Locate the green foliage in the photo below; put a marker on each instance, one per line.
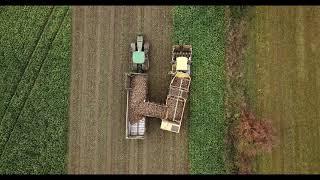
(204, 29)
(238, 11)
(34, 83)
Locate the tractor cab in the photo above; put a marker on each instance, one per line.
(138, 57)
(139, 60)
(181, 59)
(182, 64)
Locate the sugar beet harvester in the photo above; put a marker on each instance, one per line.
(138, 106)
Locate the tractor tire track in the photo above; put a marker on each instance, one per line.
(33, 83)
(101, 55)
(29, 57)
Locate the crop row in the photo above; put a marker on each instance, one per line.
(34, 121)
(204, 29)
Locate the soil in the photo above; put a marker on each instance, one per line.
(101, 55)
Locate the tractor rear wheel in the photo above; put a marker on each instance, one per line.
(146, 46)
(146, 65)
(134, 67)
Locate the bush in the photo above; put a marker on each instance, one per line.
(252, 137)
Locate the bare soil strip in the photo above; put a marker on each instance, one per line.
(101, 54)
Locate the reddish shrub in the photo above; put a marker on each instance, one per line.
(252, 136)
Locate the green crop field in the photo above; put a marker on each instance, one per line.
(34, 88)
(204, 28)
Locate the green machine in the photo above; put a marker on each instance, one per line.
(139, 59)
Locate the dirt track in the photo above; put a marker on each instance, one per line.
(101, 43)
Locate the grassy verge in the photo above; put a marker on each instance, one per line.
(203, 28)
(35, 55)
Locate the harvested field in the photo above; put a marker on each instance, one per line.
(283, 75)
(101, 46)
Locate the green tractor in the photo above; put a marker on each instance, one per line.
(139, 59)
